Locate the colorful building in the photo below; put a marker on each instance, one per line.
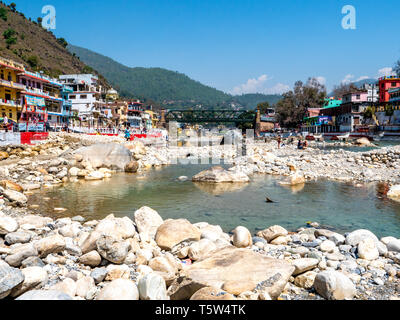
(10, 89)
(134, 117)
(386, 83)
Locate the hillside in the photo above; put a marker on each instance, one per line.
(167, 88)
(251, 100)
(27, 42)
(163, 86)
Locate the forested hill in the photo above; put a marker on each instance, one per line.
(164, 87)
(161, 85)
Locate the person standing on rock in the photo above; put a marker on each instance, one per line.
(279, 141)
(127, 134)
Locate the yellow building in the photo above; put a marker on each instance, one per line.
(10, 89)
(153, 117)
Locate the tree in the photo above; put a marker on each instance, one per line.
(9, 36)
(3, 13)
(292, 108)
(39, 20)
(13, 6)
(396, 68)
(263, 107)
(33, 62)
(63, 42)
(343, 89)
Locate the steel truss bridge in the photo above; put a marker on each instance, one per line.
(216, 116)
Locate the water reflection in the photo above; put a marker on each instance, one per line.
(219, 188)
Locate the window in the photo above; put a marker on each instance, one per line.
(83, 96)
(358, 97)
(10, 115)
(394, 84)
(72, 97)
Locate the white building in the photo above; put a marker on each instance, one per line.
(87, 96)
(373, 92)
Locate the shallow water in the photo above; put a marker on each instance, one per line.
(340, 206)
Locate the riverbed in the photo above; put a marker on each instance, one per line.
(342, 207)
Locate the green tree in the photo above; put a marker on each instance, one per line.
(9, 36)
(39, 20)
(63, 42)
(3, 13)
(344, 88)
(13, 6)
(263, 107)
(33, 62)
(292, 108)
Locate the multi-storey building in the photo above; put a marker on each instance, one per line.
(134, 118)
(42, 100)
(386, 83)
(86, 98)
(10, 89)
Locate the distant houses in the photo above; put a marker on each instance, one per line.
(371, 108)
(32, 101)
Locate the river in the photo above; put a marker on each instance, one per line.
(339, 206)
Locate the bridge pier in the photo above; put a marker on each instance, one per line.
(257, 125)
(163, 122)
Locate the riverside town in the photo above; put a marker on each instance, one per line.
(246, 155)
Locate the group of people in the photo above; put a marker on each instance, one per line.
(300, 144)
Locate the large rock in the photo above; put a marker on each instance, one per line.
(218, 175)
(272, 232)
(7, 225)
(235, 271)
(120, 289)
(68, 286)
(147, 221)
(51, 244)
(152, 287)
(34, 278)
(242, 237)
(112, 249)
(9, 279)
(210, 293)
(20, 253)
(15, 196)
(363, 141)
(91, 259)
(394, 192)
(305, 280)
(367, 249)
(44, 295)
(393, 245)
(112, 156)
(334, 285)
(95, 175)
(201, 249)
(17, 237)
(354, 238)
(35, 221)
(172, 232)
(7, 184)
(84, 286)
(304, 264)
(293, 180)
(132, 167)
(116, 227)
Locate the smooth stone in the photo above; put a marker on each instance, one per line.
(305, 280)
(44, 295)
(91, 259)
(210, 293)
(152, 287)
(9, 279)
(84, 286)
(334, 285)
(119, 289)
(17, 237)
(304, 264)
(112, 249)
(354, 238)
(147, 220)
(272, 232)
(99, 274)
(173, 232)
(34, 278)
(393, 245)
(242, 237)
(367, 249)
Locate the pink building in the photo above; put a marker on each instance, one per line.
(360, 96)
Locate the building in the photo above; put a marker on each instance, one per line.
(42, 100)
(153, 117)
(87, 98)
(394, 95)
(386, 83)
(10, 89)
(66, 111)
(134, 117)
(372, 92)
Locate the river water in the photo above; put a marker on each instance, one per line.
(339, 206)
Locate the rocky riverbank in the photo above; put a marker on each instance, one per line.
(151, 258)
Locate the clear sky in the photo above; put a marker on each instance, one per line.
(237, 46)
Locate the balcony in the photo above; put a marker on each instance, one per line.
(11, 84)
(10, 103)
(12, 64)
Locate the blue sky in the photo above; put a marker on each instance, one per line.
(237, 46)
